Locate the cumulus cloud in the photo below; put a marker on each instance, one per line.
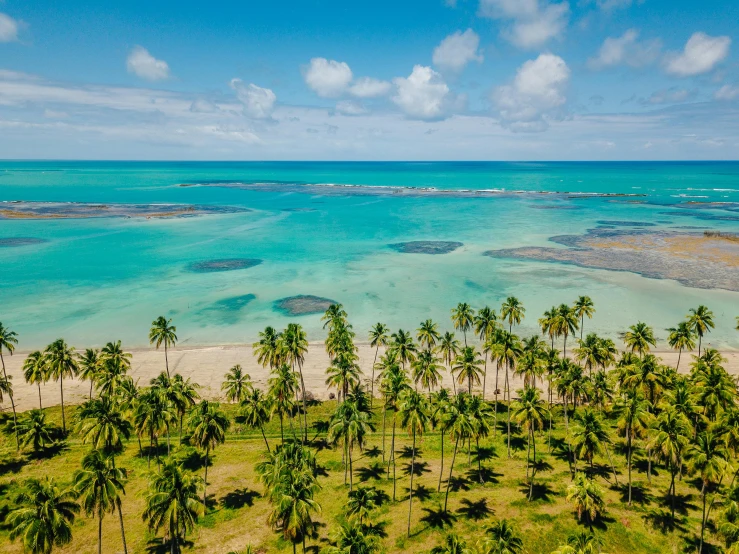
(258, 102)
(8, 28)
(328, 78)
(536, 95)
(626, 49)
(146, 66)
(674, 95)
(701, 54)
(423, 94)
(347, 107)
(457, 50)
(367, 87)
(612, 5)
(727, 92)
(532, 22)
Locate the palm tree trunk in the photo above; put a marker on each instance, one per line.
(495, 409)
(282, 431)
(441, 469)
(672, 494)
(372, 381)
(384, 413)
(305, 407)
(100, 532)
(40, 407)
(351, 469)
(703, 519)
(173, 538)
(508, 392)
(679, 353)
(451, 470)
(261, 428)
(90, 389)
(166, 359)
(12, 403)
(533, 468)
(123, 530)
(613, 467)
(410, 493)
(392, 454)
(61, 390)
(168, 445)
(528, 454)
(484, 376)
(479, 461)
(205, 482)
(628, 455)
(700, 339)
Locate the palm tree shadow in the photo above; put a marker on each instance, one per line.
(419, 468)
(642, 466)
(239, 498)
(560, 449)
(475, 510)
(373, 452)
(378, 529)
(438, 519)
(320, 471)
(194, 460)
(12, 465)
(639, 494)
(420, 492)
(682, 503)
(601, 523)
(319, 443)
(406, 452)
(540, 491)
(599, 470)
(164, 546)
(482, 475)
(484, 454)
(661, 520)
(459, 483)
(375, 471)
(541, 465)
(518, 444)
(692, 544)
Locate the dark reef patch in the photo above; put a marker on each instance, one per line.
(85, 210)
(229, 264)
(12, 242)
(622, 223)
(703, 216)
(303, 304)
(433, 247)
(227, 310)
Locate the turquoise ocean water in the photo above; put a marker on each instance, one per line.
(96, 280)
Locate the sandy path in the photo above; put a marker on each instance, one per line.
(207, 365)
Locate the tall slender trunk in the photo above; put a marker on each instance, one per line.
(533, 468)
(261, 428)
(372, 381)
(582, 325)
(484, 376)
(441, 469)
(628, 455)
(91, 389)
(351, 469)
(282, 431)
(613, 467)
(495, 409)
(672, 493)
(100, 532)
(123, 529)
(12, 403)
(528, 455)
(451, 470)
(507, 392)
(173, 537)
(700, 339)
(392, 454)
(679, 353)
(61, 390)
(40, 407)
(703, 519)
(166, 359)
(384, 414)
(205, 481)
(168, 445)
(410, 493)
(305, 408)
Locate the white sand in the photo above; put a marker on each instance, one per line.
(207, 365)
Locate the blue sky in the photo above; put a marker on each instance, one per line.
(323, 79)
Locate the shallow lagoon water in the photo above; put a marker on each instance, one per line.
(94, 280)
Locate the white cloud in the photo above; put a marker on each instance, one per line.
(457, 50)
(532, 22)
(701, 54)
(423, 94)
(8, 28)
(626, 49)
(727, 92)
(146, 66)
(367, 87)
(536, 95)
(347, 107)
(53, 114)
(258, 102)
(328, 78)
(611, 5)
(674, 95)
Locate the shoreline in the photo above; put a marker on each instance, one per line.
(207, 364)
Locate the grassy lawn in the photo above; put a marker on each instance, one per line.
(238, 514)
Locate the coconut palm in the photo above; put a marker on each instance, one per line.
(349, 425)
(60, 362)
(634, 420)
(343, 373)
(89, 367)
(639, 338)
(461, 427)
(378, 336)
(208, 424)
(34, 372)
(452, 545)
(428, 334)
(267, 348)
(670, 439)
(589, 352)
(590, 437)
(100, 486)
(565, 324)
(581, 543)
(512, 311)
(151, 417)
(394, 383)
(114, 351)
(440, 407)
(468, 367)
(463, 317)
(680, 338)
(547, 323)
(335, 314)
(236, 384)
(486, 323)
(530, 412)
(402, 344)
(282, 387)
(449, 348)
(173, 502)
(587, 497)
(509, 350)
(162, 332)
(33, 429)
(183, 394)
(426, 370)
(583, 307)
(501, 538)
(700, 321)
(102, 424)
(293, 504)
(354, 538)
(414, 417)
(42, 516)
(363, 501)
(8, 341)
(255, 410)
(295, 346)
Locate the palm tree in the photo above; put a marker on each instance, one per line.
(707, 457)
(460, 427)
(583, 307)
(173, 502)
(362, 502)
(565, 324)
(43, 516)
(581, 543)
(512, 311)
(587, 497)
(468, 367)
(34, 372)
(100, 485)
(639, 338)
(394, 383)
(449, 348)
(255, 410)
(152, 415)
(236, 384)
(354, 538)
(60, 362)
(428, 334)
(183, 394)
(402, 345)
(8, 341)
(414, 417)
(680, 338)
(486, 321)
(590, 437)
(295, 344)
(333, 315)
(502, 539)
(670, 440)
(282, 387)
(547, 323)
(343, 373)
(113, 351)
(427, 370)
(452, 545)
(378, 336)
(633, 421)
(162, 332)
(89, 367)
(509, 350)
(33, 429)
(267, 348)
(440, 408)
(463, 317)
(700, 321)
(208, 424)
(103, 425)
(530, 412)
(349, 425)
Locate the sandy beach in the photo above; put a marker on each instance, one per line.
(207, 366)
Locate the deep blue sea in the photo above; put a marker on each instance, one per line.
(99, 279)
